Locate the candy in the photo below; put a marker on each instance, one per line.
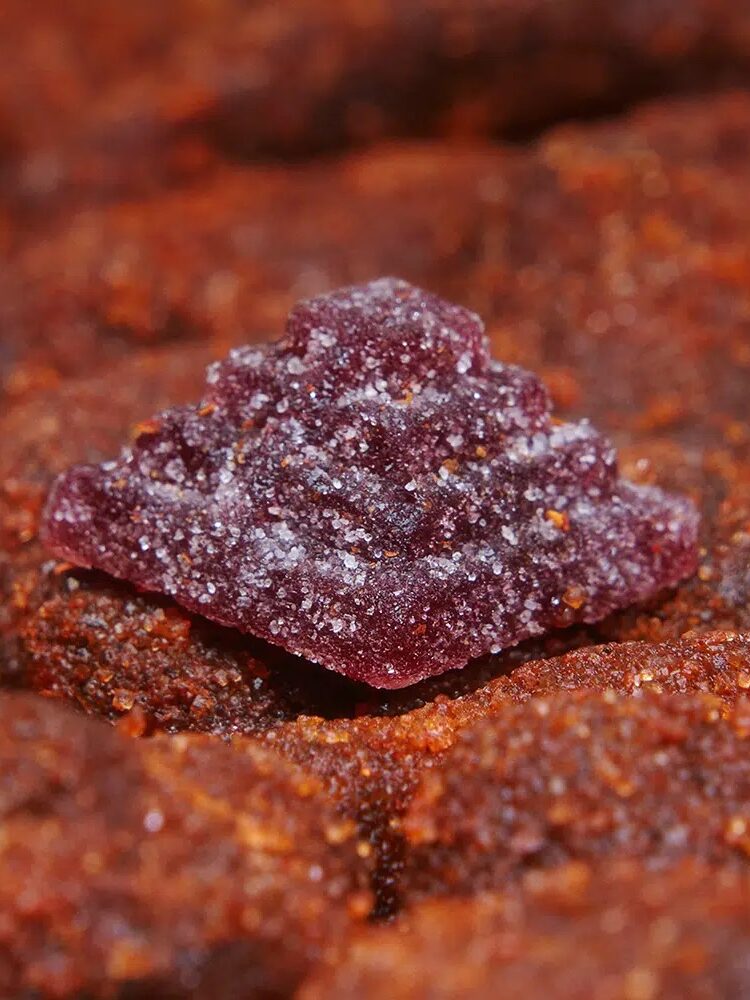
(376, 494)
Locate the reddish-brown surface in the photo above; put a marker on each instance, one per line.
(161, 867)
(224, 261)
(634, 263)
(619, 932)
(582, 775)
(371, 755)
(373, 764)
(146, 92)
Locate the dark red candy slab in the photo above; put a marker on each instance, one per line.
(376, 494)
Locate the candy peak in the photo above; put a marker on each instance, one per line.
(376, 494)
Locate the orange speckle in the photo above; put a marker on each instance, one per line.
(123, 700)
(339, 833)
(359, 904)
(736, 432)
(574, 597)
(134, 723)
(559, 518)
(146, 427)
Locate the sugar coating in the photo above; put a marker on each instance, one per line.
(375, 493)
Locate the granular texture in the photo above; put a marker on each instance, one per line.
(376, 494)
(110, 650)
(121, 655)
(105, 96)
(223, 261)
(613, 932)
(391, 752)
(100, 643)
(161, 867)
(582, 776)
(716, 663)
(373, 764)
(574, 250)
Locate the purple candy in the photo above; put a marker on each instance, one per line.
(376, 494)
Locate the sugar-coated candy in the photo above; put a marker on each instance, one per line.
(375, 493)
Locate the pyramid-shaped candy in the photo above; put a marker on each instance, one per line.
(376, 494)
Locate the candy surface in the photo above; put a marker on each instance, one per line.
(376, 494)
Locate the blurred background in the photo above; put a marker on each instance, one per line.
(181, 82)
(174, 175)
